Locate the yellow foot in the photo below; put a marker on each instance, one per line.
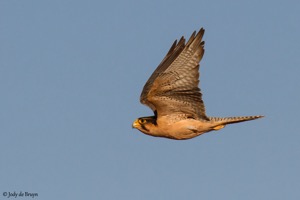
(218, 127)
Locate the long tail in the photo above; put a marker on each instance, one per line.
(222, 121)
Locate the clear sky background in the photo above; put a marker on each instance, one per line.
(71, 73)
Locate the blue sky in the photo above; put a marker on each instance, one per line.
(71, 73)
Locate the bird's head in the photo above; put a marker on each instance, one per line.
(145, 124)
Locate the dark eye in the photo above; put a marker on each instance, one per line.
(142, 121)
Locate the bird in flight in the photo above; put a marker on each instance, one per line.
(173, 94)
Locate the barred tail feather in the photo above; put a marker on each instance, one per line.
(231, 120)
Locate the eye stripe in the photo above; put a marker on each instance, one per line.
(148, 120)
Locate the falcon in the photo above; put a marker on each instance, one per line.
(173, 94)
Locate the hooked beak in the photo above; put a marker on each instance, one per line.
(135, 124)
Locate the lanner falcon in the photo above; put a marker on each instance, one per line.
(173, 94)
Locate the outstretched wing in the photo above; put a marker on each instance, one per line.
(173, 89)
